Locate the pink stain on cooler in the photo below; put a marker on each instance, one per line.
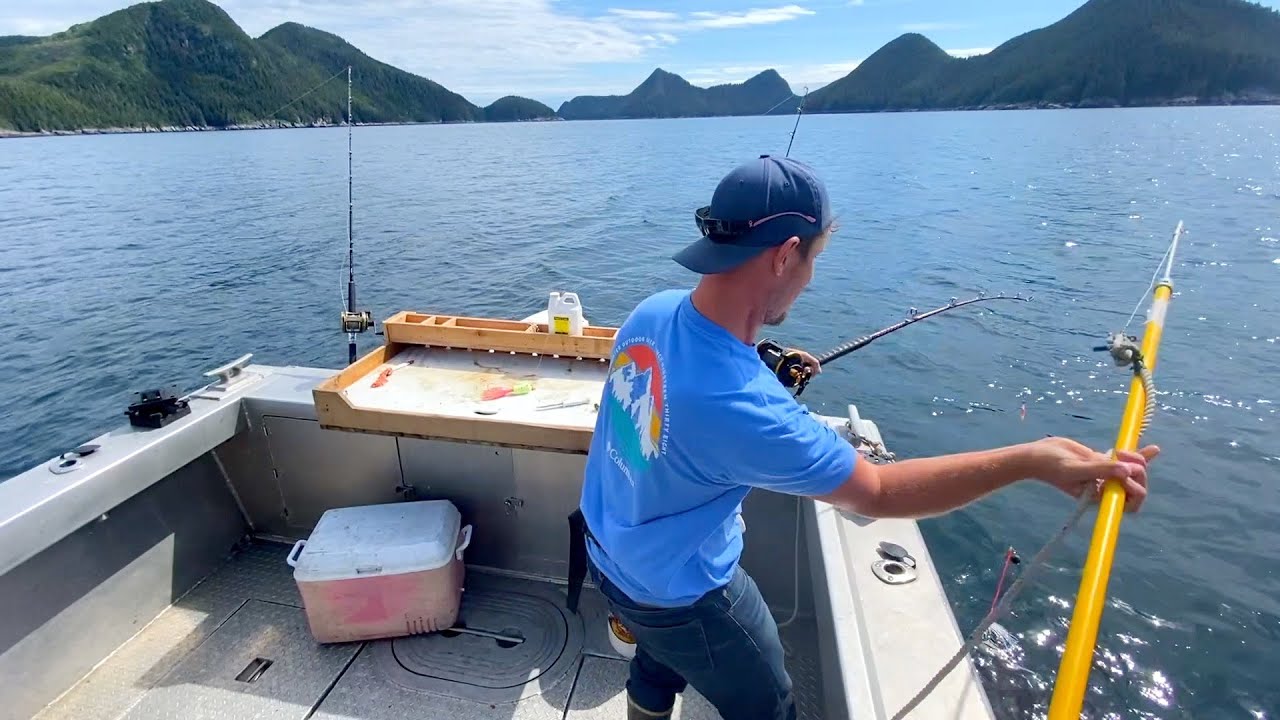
(381, 606)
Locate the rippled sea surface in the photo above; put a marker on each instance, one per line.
(136, 261)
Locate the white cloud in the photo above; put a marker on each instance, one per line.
(655, 15)
(812, 75)
(708, 76)
(817, 75)
(481, 50)
(50, 16)
(539, 48)
(969, 52)
(759, 16)
(933, 26)
(704, 19)
(857, 3)
(31, 26)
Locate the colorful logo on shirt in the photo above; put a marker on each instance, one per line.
(636, 407)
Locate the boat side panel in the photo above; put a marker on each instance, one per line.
(905, 633)
(68, 607)
(39, 507)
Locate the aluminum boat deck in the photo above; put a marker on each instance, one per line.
(521, 655)
(148, 580)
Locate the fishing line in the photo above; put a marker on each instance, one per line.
(779, 104)
(353, 321)
(1151, 285)
(317, 87)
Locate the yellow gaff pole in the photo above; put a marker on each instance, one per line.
(1073, 672)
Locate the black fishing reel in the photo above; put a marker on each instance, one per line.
(786, 364)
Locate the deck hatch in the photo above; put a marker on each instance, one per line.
(509, 639)
(507, 645)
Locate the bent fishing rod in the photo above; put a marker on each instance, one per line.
(791, 370)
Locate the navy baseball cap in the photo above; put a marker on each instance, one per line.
(761, 204)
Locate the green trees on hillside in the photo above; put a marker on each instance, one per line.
(186, 63)
(1107, 52)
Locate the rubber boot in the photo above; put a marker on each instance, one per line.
(635, 712)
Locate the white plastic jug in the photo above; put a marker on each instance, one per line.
(564, 314)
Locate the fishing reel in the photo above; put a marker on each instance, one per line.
(356, 321)
(786, 364)
(1124, 349)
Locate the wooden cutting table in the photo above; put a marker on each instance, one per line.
(452, 362)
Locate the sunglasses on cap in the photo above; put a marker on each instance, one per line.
(725, 230)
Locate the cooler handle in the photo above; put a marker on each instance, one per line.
(294, 554)
(466, 542)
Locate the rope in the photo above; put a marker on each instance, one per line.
(1086, 498)
(999, 610)
(1008, 560)
(1125, 351)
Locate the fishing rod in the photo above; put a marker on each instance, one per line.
(799, 112)
(353, 321)
(1082, 634)
(792, 371)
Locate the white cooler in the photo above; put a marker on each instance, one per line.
(380, 571)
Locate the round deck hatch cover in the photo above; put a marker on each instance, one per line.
(508, 640)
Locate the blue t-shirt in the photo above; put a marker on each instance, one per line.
(690, 420)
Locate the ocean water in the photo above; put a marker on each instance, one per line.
(136, 261)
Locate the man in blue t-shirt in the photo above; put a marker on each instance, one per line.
(691, 420)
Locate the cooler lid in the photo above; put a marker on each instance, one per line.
(375, 540)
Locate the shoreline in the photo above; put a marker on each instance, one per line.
(1003, 107)
(6, 133)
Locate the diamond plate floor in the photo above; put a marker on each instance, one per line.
(184, 663)
(121, 681)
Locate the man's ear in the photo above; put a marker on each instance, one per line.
(785, 254)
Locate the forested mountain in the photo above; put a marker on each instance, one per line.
(381, 94)
(1106, 53)
(186, 63)
(511, 108)
(665, 94)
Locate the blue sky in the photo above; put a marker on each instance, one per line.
(551, 50)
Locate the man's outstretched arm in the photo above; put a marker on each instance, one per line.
(930, 486)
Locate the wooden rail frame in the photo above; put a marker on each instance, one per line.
(455, 331)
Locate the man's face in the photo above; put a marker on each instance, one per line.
(793, 272)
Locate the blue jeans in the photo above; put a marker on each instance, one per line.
(725, 645)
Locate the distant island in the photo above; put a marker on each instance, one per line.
(665, 95)
(186, 65)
